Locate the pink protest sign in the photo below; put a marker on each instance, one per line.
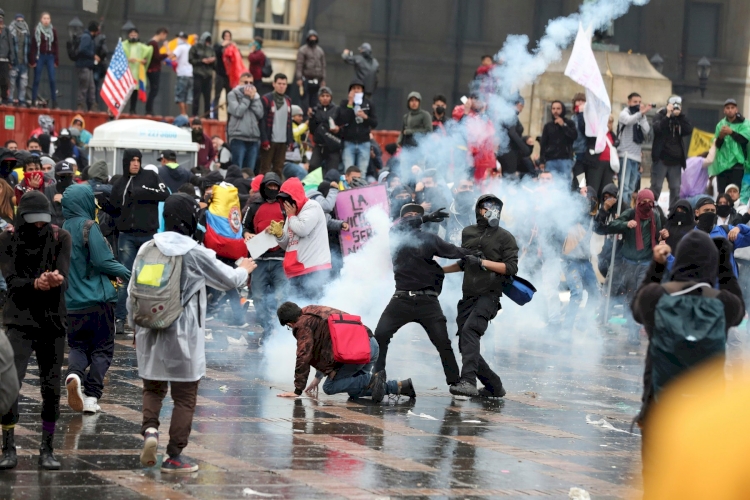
(351, 206)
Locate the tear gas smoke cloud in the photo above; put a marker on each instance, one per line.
(549, 212)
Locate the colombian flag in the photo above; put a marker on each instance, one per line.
(224, 223)
(142, 82)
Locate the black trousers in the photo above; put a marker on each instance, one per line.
(202, 87)
(221, 82)
(321, 156)
(91, 338)
(731, 176)
(5, 80)
(424, 310)
(49, 347)
(154, 78)
(474, 315)
(598, 175)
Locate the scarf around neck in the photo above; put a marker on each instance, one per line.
(18, 27)
(46, 32)
(644, 212)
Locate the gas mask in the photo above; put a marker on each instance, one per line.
(492, 214)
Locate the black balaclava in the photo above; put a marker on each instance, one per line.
(696, 259)
(265, 192)
(397, 204)
(464, 201)
(63, 148)
(491, 218)
(33, 247)
(679, 223)
(63, 181)
(181, 214)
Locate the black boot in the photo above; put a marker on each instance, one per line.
(46, 459)
(377, 386)
(405, 388)
(9, 460)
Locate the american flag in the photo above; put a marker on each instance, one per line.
(119, 83)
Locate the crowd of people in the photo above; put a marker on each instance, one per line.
(88, 255)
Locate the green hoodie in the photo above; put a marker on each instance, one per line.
(731, 152)
(89, 284)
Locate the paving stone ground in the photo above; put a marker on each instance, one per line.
(535, 443)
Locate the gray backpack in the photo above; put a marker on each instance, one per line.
(156, 295)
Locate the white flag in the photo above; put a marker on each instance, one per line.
(582, 69)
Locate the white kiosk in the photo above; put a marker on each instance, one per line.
(149, 136)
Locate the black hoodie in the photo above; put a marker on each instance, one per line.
(175, 177)
(235, 178)
(257, 220)
(352, 130)
(557, 141)
(8, 162)
(679, 224)
(135, 198)
(495, 244)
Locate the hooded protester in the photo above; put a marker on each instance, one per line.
(310, 327)
(365, 67)
(311, 67)
(64, 176)
(731, 138)
(518, 148)
(206, 153)
(307, 260)
(234, 177)
(90, 299)
(357, 119)
(433, 194)
(492, 261)
(171, 173)
(135, 206)
(19, 63)
(698, 266)
(8, 162)
(99, 177)
(419, 281)
(175, 356)
(46, 126)
(35, 259)
(65, 148)
(416, 121)
(725, 211)
(398, 197)
(203, 58)
(679, 222)
(269, 280)
(139, 57)
(707, 219)
(79, 123)
(640, 228)
(462, 210)
(45, 144)
(33, 177)
(558, 136)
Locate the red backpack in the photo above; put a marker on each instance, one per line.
(351, 342)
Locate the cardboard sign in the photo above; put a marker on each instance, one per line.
(351, 206)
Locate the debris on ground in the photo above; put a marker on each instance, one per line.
(223, 388)
(578, 494)
(247, 492)
(471, 421)
(606, 425)
(421, 415)
(531, 394)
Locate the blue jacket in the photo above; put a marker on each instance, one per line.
(742, 241)
(86, 51)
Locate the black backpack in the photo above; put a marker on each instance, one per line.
(73, 45)
(267, 68)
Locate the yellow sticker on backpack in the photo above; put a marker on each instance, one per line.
(151, 275)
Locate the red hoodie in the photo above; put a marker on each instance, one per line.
(482, 143)
(305, 236)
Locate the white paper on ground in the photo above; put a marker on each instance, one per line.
(260, 244)
(421, 415)
(606, 425)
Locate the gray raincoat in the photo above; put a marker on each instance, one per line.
(178, 354)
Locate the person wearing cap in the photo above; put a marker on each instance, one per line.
(171, 173)
(43, 55)
(484, 278)
(65, 172)
(357, 119)
(134, 203)
(416, 121)
(310, 69)
(295, 157)
(206, 153)
(153, 72)
(203, 58)
(19, 62)
(139, 56)
(65, 148)
(85, 64)
(276, 127)
(183, 87)
(33, 177)
(668, 151)
(731, 136)
(90, 300)
(35, 259)
(6, 56)
(244, 114)
(419, 281)
(366, 67)
(327, 141)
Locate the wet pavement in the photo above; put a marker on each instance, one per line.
(535, 443)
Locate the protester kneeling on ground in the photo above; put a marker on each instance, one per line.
(316, 347)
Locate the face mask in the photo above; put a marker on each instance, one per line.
(133, 39)
(706, 221)
(270, 193)
(312, 43)
(464, 201)
(723, 210)
(65, 181)
(634, 109)
(440, 110)
(197, 134)
(413, 221)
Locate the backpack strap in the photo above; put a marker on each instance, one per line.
(676, 289)
(86, 230)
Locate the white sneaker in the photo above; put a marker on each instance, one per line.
(90, 406)
(75, 395)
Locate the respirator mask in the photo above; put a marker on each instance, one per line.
(492, 214)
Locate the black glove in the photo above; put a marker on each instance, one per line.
(725, 248)
(472, 260)
(101, 199)
(437, 216)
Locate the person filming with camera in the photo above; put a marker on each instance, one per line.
(668, 154)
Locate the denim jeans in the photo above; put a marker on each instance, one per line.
(561, 169)
(45, 61)
(630, 179)
(580, 276)
(244, 153)
(268, 286)
(19, 81)
(294, 170)
(355, 154)
(128, 245)
(354, 379)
